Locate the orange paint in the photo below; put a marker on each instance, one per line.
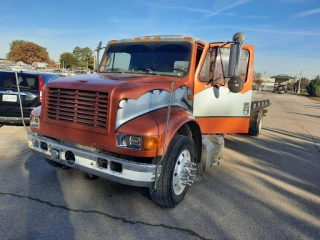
(210, 125)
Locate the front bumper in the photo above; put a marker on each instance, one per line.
(125, 172)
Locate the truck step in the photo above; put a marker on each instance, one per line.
(212, 150)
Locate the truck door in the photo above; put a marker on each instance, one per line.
(216, 109)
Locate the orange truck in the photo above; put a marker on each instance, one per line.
(153, 115)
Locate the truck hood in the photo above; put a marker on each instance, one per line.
(104, 82)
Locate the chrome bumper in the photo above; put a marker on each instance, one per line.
(125, 172)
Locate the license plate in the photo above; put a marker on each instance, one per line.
(9, 98)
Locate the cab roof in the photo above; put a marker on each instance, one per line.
(159, 38)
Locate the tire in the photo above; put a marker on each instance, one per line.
(57, 165)
(256, 127)
(169, 190)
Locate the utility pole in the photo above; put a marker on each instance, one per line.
(299, 82)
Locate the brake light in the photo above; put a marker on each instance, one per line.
(41, 83)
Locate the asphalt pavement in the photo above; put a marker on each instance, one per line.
(266, 187)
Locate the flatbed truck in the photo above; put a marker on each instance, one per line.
(154, 113)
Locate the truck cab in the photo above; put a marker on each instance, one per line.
(142, 119)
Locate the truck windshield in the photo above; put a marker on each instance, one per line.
(160, 58)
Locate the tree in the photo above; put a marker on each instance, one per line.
(84, 57)
(313, 88)
(27, 52)
(68, 60)
(14, 44)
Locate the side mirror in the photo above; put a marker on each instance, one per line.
(235, 84)
(235, 54)
(97, 59)
(99, 46)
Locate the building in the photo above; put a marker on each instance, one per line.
(39, 64)
(281, 81)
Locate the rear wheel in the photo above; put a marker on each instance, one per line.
(256, 127)
(178, 172)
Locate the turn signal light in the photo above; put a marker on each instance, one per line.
(151, 143)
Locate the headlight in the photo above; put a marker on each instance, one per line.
(34, 121)
(146, 143)
(129, 141)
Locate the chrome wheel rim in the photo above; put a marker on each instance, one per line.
(180, 172)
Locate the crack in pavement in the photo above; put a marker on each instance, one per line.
(313, 139)
(122, 219)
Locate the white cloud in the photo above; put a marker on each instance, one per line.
(308, 13)
(172, 7)
(238, 3)
(244, 16)
(207, 13)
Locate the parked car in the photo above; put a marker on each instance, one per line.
(31, 85)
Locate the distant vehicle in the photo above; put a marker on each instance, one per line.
(281, 89)
(31, 85)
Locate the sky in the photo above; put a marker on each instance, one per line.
(285, 33)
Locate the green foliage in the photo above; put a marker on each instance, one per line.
(68, 60)
(84, 57)
(313, 88)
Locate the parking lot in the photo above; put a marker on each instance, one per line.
(266, 187)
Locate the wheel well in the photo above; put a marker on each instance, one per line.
(192, 130)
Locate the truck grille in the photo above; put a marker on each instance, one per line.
(86, 108)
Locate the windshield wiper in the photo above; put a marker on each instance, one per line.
(149, 70)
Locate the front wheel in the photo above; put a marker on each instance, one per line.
(178, 172)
